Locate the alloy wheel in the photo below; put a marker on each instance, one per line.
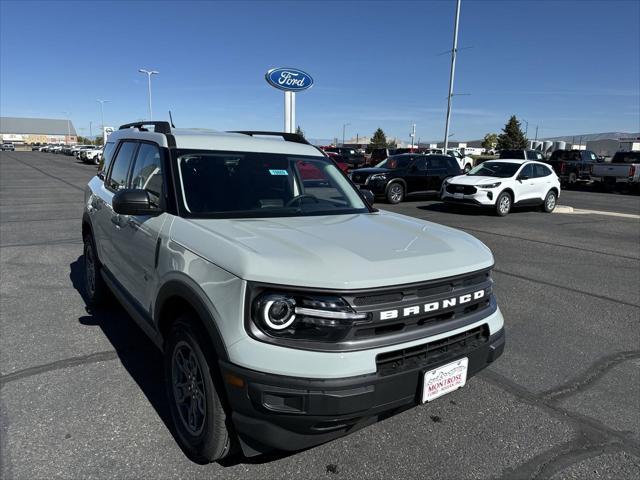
(505, 204)
(90, 270)
(396, 192)
(188, 388)
(551, 201)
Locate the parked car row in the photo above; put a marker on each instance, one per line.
(499, 184)
(87, 153)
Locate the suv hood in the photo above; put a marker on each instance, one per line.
(333, 252)
(473, 180)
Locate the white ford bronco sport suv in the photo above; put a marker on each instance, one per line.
(290, 312)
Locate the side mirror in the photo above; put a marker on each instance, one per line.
(522, 177)
(132, 201)
(368, 196)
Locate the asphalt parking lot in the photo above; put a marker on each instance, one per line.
(81, 393)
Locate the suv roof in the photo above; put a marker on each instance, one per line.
(204, 139)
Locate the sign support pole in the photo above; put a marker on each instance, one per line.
(289, 111)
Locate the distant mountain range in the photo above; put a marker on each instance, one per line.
(587, 137)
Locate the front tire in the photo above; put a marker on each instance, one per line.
(95, 288)
(395, 193)
(550, 202)
(194, 395)
(503, 204)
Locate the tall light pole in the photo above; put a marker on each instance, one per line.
(68, 139)
(413, 135)
(344, 127)
(102, 102)
(454, 51)
(149, 73)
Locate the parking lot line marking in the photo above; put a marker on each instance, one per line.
(59, 364)
(47, 174)
(515, 237)
(579, 211)
(563, 287)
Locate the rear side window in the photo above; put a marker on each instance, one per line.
(107, 156)
(626, 157)
(147, 172)
(541, 170)
(117, 179)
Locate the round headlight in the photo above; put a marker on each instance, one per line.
(278, 312)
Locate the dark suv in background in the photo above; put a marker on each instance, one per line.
(406, 174)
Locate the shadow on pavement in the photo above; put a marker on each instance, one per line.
(138, 355)
(142, 360)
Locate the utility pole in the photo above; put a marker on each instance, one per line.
(68, 139)
(536, 132)
(454, 51)
(90, 129)
(526, 129)
(149, 73)
(102, 102)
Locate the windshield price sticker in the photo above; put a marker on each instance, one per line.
(278, 172)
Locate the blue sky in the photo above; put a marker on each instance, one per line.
(571, 67)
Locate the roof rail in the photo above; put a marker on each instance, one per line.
(288, 137)
(159, 127)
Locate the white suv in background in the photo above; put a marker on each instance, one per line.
(502, 184)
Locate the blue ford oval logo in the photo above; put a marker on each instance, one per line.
(290, 79)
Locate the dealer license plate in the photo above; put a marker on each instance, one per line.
(458, 195)
(445, 379)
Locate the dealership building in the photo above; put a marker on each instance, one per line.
(22, 131)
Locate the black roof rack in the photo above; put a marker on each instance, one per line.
(159, 127)
(289, 137)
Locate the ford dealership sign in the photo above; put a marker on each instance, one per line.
(289, 79)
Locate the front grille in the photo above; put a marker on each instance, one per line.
(464, 189)
(424, 356)
(417, 296)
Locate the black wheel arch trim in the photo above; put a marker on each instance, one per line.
(396, 180)
(177, 288)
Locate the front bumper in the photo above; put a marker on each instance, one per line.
(482, 197)
(293, 413)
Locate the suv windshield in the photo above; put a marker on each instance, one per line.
(392, 163)
(626, 157)
(249, 184)
(495, 169)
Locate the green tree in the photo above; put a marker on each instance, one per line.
(299, 131)
(512, 136)
(379, 139)
(490, 141)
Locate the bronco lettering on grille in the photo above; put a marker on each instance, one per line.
(432, 306)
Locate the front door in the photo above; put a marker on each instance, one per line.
(137, 237)
(526, 184)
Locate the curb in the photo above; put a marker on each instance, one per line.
(563, 209)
